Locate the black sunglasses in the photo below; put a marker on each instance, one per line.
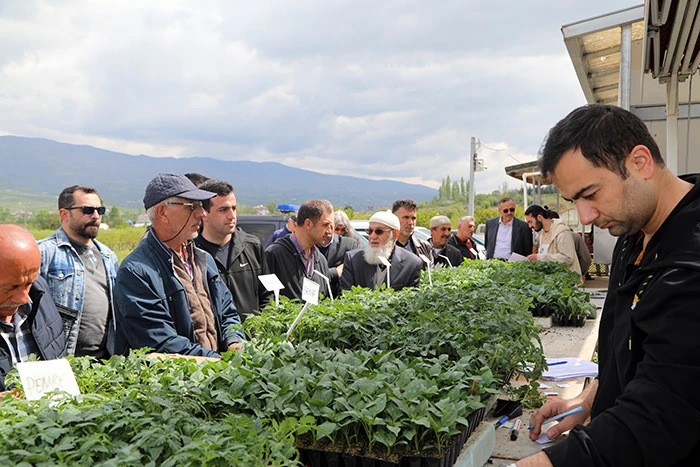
(370, 231)
(509, 210)
(89, 210)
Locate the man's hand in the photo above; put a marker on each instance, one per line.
(532, 257)
(340, 270)
(235, 346)
(552, 408)
(538, 460)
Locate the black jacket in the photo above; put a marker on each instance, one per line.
(335, 254)
(521, 241)
(647, 407)
(420, 246)
(404, 271)
(451, 253)
(284, 261)
(463, 249)
(246, 262)
(46, 326)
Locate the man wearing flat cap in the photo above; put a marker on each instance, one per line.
(168, 293)
(445, 254)
(364, 267)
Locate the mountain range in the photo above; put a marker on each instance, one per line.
(33, 165)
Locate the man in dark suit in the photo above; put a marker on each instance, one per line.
(365, 267)
(445, 254)
(334, 248)
(506, 235)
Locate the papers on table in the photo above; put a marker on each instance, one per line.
(572, 369)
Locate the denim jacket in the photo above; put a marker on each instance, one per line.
(63, 269)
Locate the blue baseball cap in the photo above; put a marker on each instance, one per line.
(163, 186)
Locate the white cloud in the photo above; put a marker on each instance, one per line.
(391, 89)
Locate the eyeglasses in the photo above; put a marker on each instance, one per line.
(340, 228)
(508, 210)
(370, 231)
(193, 205)
(89, 210)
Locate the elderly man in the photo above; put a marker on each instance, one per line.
(365, 268)
(239, 256)
(168, 293)
(644, 405)
(462, 239)
(445, 254)
(81, 272)
(334, 247)
(506, 234)
(295, 257)
(29, 322)
(407, 212)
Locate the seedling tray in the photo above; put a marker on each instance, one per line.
(316, 458)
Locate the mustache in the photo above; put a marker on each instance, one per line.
(11, 305)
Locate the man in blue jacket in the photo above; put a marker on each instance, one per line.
(168, 294)
(29, 322)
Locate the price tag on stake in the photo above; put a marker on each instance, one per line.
(426, 260)
(38, 378)
(272, 283)
(309, 291)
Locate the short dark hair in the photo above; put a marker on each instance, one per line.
(67, 197)
(407, 203)
(504, 200)
(313, 209)
(605, 135)
(197, 179)
(219, 187)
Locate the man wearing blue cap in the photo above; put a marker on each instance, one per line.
(168, 293)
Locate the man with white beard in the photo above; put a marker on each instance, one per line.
(364, 267)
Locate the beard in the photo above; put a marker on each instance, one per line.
(372, 254)
(88, 231)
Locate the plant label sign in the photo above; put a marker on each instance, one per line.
(38, 378)
(272, 283)
(309, 291)
(426, 260)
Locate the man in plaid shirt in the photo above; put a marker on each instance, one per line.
(29, 321)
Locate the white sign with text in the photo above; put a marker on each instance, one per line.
(39, 378)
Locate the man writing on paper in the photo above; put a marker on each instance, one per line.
(29, 321)
(364, 267)
(644, 406)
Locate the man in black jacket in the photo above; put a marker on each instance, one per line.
(644, 406)
(29, 321)
(239, 256)
(445, 254)
(407, 212)
(334, 248)
(295, 257)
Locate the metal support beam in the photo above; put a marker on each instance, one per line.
(672, 123)
(624, 92)
(472, 163)
(601, 53)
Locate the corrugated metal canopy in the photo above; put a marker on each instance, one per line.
(594, 48)
(672, 28)
(517, 172)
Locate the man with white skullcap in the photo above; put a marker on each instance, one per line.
(365, 267)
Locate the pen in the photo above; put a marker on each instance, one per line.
(501, 421)
(516, 427)
(556, 363)
(560, 416)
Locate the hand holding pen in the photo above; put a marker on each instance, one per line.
(569, 412)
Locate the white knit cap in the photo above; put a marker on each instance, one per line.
(387, 218)
(439, 220)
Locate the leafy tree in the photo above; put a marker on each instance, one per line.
(44, 219)
(114, 218)
(272, 207)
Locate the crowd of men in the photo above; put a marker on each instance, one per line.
(195, 274)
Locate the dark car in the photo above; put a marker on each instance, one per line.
(261, 226)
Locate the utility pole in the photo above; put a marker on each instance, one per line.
(472, 163)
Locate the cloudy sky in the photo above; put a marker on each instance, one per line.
(378, 89)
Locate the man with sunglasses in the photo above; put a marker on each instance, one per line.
(507, 234)
(364, 267)
(81, 273)
(169, 294)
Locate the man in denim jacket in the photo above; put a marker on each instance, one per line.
(81, 272)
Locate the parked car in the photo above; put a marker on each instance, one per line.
(261, 226)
